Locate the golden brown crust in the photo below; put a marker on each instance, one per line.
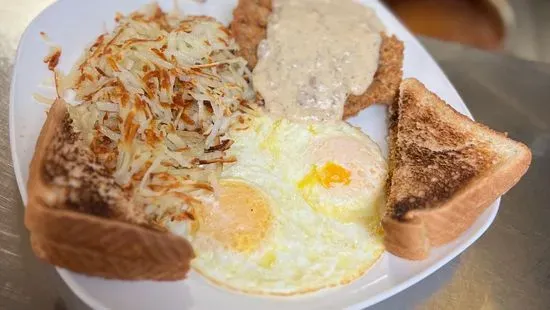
(63, 234)
(445, 171)
(385, 86)
(249, 28)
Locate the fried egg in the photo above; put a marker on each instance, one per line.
(295, 213)
(338, 169)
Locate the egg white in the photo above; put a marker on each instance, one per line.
(303, 250)
(299, 148)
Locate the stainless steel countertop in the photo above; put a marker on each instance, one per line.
(507, 268)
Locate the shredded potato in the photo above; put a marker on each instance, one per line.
(155, 99)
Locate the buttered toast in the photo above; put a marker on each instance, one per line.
(79, 218)
(444, 170)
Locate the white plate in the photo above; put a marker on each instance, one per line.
(388, 277)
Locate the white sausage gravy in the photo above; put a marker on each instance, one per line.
(316, 53)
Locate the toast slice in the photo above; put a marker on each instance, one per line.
(444, 170)
(249, 27)
(80, 219)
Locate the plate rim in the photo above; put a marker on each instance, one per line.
(95, 303)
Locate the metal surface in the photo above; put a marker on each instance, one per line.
(507, 268)
(527, 34)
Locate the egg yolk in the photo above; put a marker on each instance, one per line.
(240, 219)
(328, 175)
(332, 173)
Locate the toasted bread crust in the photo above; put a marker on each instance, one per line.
(75, 179)
(450, 205)
(105, 248)
(249, 26)
(122, 247)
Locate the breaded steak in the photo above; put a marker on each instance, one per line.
(249, 26)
